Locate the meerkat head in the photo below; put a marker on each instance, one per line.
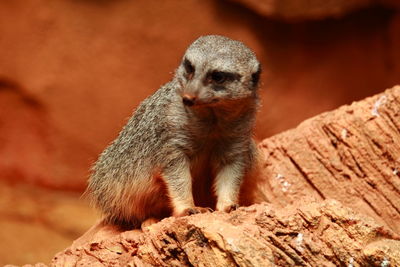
(215, 70)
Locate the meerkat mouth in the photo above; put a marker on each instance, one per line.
(190, 100)
(195, 103)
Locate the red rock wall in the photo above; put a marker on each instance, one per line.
(72, 71)
(297, 10)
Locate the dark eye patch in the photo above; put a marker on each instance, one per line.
(220, 77)
(189, 68)
(255, 77)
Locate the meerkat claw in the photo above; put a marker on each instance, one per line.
(195, 210)
(231, 208)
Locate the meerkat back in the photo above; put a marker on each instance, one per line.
(189, 142)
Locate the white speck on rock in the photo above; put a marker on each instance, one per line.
(344, 133)
(377, 104)
(299, 242)
(232, 245)
(395, 171)
(285, 184)
(385, 263)
(351, 261)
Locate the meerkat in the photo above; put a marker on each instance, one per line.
(188, 148)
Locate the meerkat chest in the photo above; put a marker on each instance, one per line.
(209, 142)
(206, 156)
(201, 161)
(203, 170)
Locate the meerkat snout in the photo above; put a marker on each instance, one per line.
(188, 100)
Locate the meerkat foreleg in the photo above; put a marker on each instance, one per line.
(179, 185)
(227, 186)
(178, 180)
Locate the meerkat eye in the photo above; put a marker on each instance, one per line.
(219, 77)
(188, 67)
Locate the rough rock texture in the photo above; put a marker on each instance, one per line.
(324, 234)
(311, 9)
(72, 71)
(40, 264)
(351, 154)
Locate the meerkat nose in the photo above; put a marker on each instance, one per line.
(188, 100)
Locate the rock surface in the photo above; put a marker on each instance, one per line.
(36, 223)
(351, 154)
(311, 10)
(317, 234)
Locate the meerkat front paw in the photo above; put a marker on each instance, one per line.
(231, 207)
(194, 210)
(227, 206)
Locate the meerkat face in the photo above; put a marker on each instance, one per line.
(216, 69)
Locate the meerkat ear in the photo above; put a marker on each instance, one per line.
(255, 77)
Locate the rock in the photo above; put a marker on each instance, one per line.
(317, 234)
(40, 264)
(310, 10)
(36, 223)
(351, 154)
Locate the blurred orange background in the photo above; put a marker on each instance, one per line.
(72, 72)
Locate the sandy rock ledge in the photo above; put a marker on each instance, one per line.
(318, 234)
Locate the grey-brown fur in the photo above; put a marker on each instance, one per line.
(190, 131)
